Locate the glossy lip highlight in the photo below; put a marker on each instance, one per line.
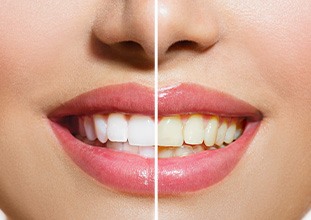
(134, 174)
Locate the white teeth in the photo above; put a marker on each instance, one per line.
(130, 149)
(170, 131)
(115, 145)
(117, 127)
(230, 133)
(141, 131)
(147, 152)
(194, 130)
(89, 128)
(210, 132)
(100, 128)
(221, 133)
(183, 151)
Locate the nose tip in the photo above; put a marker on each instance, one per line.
(182, 25)
(128, 26)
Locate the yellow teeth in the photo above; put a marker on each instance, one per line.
(196, 129)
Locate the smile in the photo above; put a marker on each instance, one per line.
(109, 134)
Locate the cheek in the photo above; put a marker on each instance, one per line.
(34, 35)
(278, 35)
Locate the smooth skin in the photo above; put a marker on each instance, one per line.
(257, 51)
(50, 52)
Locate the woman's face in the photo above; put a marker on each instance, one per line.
(53, 51)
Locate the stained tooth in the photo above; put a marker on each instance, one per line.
(141, 131)
(117, 127)
(212, 148)
(230, 132)
(238, 132)
(166, 152)
(81, 127)
(89, 128)
(194, 130)
(100, 128)
(115, 145)
(198, 148)
(130, 149)
(221, 133)
(170, 131)
(210, 132)
(183, 151)
(147, 152)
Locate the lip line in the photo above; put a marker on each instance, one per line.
(81, 104)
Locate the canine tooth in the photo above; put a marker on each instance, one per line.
(81, 127)
(183, 151)
(221, 133)
(210, 132)
(100, 128)
(147, 152)
(141, 131)
(230, 133)
(238, 132)
(194, 130)
(170, 131)
(166, 152)
(198, 148)
(115, 145)
(130, 149)
(117, 127)
(89, 128)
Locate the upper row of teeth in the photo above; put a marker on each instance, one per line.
(173, 131)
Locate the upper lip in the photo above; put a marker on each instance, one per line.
(133, 98)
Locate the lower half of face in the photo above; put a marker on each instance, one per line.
(77, 100)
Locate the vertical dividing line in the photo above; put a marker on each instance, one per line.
(156, 89)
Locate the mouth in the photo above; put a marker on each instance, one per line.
(109, 134)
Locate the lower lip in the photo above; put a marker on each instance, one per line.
(134, 174)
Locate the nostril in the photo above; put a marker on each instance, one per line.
(184, 45)
(130, 46)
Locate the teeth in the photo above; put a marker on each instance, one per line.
(221, 133)
(100, 128)
(117, 127)
(166, 152)
(170, 131)
(141, 131)
(230, 133)
(89, 128)
(194, 130)
(115, 145)
(130, 149)
(238, 132)
(178, 136)
(183, 151)
(147, 152)
(198, 148)
(210, 132)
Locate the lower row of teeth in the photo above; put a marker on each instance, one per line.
(178, 135)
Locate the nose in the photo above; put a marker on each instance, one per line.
(185, 24)
(127, 27)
